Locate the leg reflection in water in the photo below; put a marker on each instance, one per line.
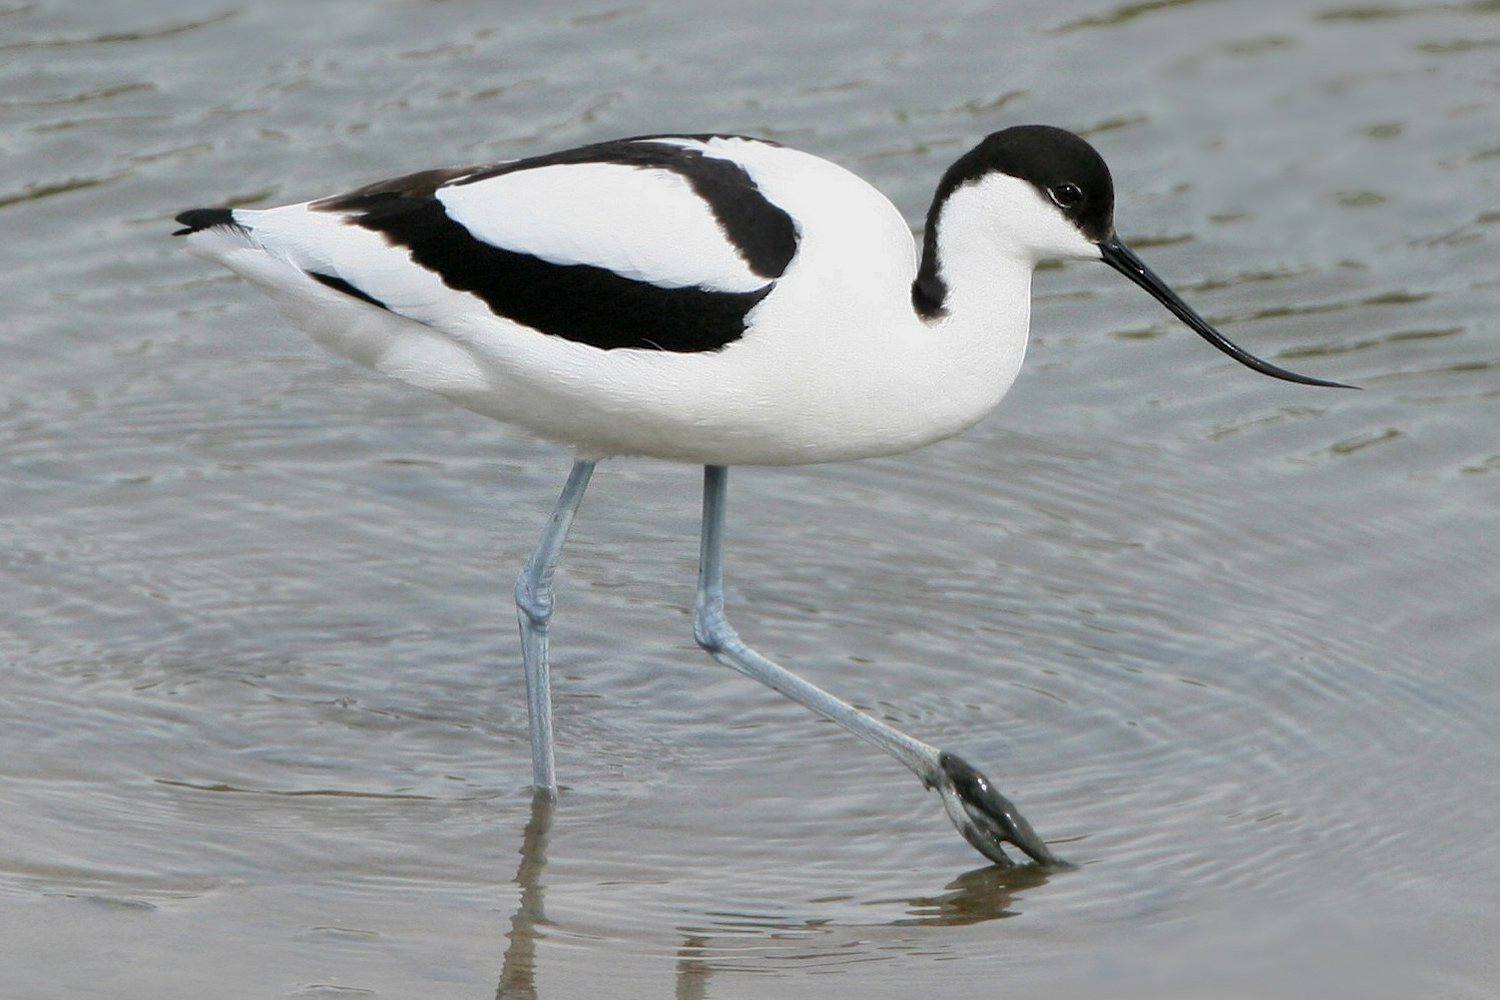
(692, 969)
(518, 971)
(986, 893)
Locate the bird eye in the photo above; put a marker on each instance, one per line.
(1066, 195)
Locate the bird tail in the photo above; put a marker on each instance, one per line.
(215, 232)
(195, 220)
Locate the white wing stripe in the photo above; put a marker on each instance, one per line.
(644, 224)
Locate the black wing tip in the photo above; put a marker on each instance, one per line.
(196, 220)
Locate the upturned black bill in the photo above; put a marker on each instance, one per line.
(1120, 257)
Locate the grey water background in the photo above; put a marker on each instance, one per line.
(1231, 643)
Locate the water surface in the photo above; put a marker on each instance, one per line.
(1230, 642)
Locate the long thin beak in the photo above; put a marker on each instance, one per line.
(1120, 257)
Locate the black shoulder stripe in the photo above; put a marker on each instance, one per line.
(340, 285)
(761, 231)
(410, 187)
(700, 137)
(578, 302)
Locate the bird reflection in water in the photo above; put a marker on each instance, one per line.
(692, 969)
(987, 893)
(518, 970)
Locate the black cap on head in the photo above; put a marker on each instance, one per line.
(1062, 167)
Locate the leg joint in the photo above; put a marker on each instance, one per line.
(533, 599)
(711, 629)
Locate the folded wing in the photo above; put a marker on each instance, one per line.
(661, 243)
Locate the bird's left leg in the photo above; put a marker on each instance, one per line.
(534, 608)
(984, 816)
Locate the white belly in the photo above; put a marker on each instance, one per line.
(781, 395)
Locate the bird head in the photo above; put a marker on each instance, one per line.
(1035, 193)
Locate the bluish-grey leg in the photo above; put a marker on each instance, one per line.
(984, 816)
(534, 605)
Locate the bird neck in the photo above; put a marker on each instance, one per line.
(972, 295)
(968, 257)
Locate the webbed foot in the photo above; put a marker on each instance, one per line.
(986, 818)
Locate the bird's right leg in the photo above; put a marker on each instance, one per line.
(984, 817)
(534, 607)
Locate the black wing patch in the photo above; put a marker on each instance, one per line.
(578, 302)
(581, 302)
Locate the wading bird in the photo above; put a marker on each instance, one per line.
(711, 299)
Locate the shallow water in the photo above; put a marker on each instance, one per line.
(1229, 642)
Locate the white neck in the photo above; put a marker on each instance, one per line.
(970, 353)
